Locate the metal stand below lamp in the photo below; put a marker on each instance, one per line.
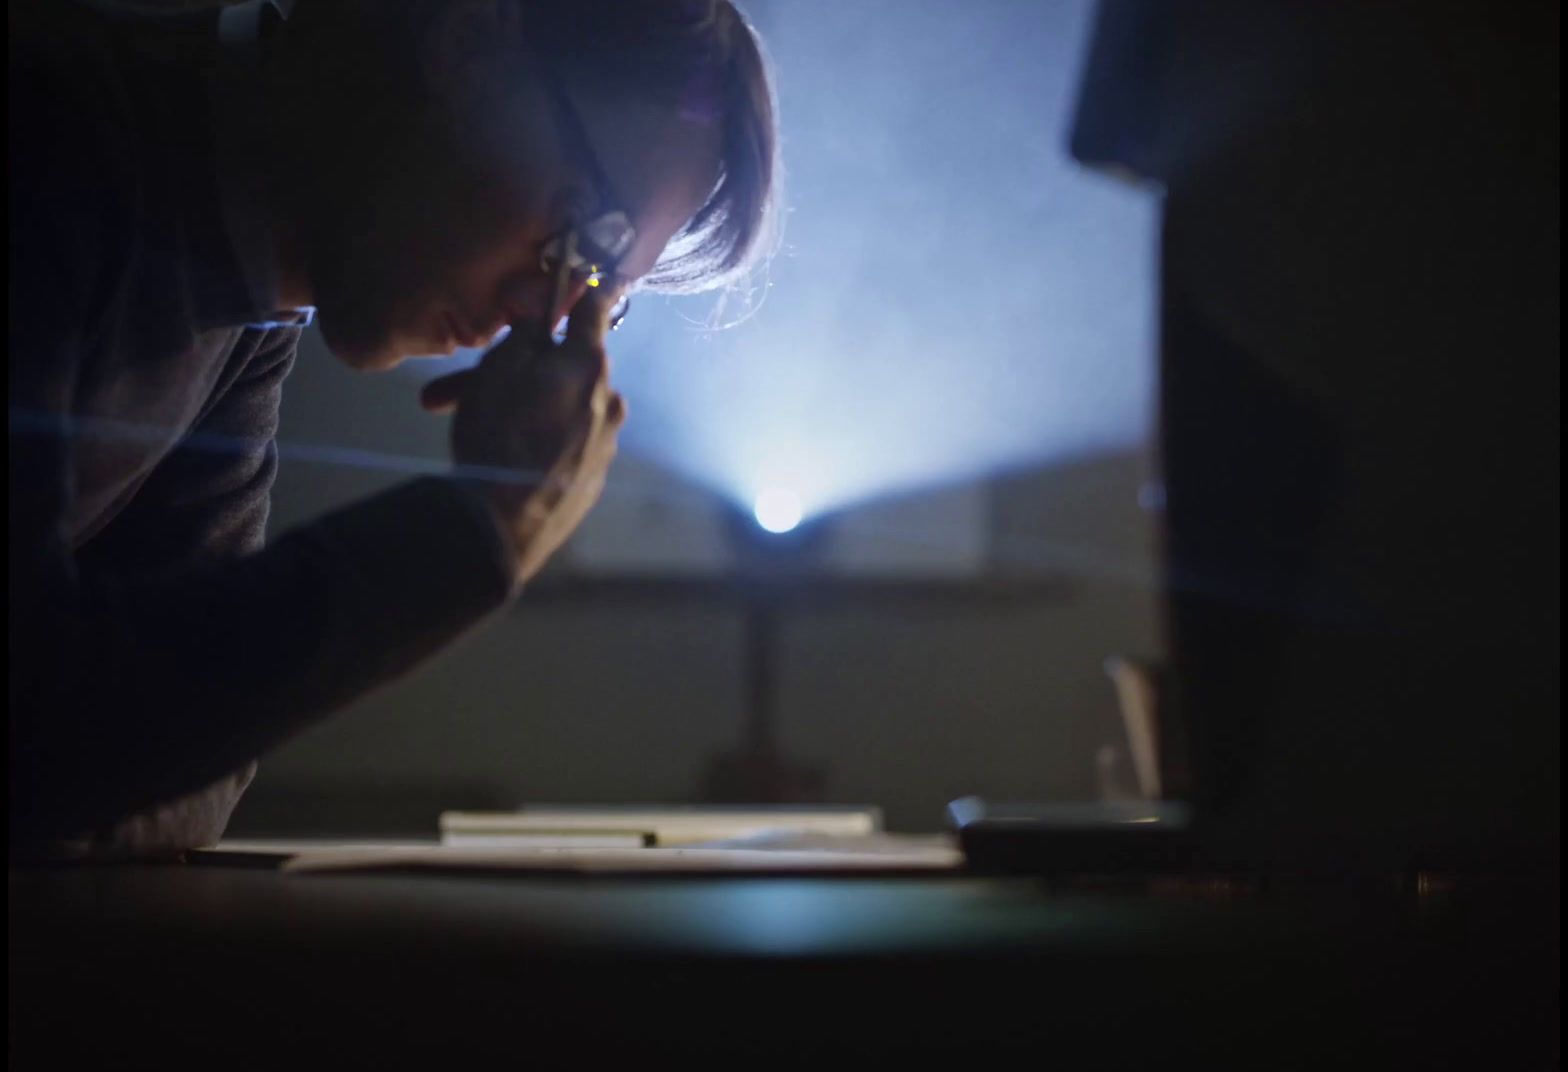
(769, 566)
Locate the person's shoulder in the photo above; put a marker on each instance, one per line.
(71, 142)
(63, 82)
(73, 151)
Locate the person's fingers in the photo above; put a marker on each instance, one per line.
(589, 321)
(521, 342)
(440, 395)
(599, 396)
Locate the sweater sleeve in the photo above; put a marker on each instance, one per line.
(176, 651)
(206, 506)
(128, 692)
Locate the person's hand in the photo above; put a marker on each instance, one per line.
(537, 422)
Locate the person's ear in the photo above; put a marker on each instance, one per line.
(469, 49)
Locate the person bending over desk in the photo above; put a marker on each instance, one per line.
(187, 189)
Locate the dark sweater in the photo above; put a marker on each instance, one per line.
(156, 649)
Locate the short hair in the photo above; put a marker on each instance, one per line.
(738, 224)
(700, 55)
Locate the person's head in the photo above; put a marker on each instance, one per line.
(444, 143)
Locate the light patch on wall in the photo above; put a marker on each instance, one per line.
(956, 298)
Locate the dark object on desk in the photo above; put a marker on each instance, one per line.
(1124, 838)
(1360, 416)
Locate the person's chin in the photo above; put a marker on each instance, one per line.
(379, 360)
(364, 353)
(370, 360)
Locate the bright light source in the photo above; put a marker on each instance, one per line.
(777, 510)
(780, 382)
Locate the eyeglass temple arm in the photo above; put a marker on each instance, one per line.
(563, 284)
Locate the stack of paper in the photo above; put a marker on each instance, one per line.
(628, 827)
(634, 840)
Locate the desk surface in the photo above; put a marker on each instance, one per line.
(184, 966)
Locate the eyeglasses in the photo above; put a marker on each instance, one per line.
(588, 252)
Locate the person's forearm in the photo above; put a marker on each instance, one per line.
(121, 702)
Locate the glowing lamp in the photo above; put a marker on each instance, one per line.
(777, 509)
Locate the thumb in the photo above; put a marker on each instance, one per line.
(589, 322)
